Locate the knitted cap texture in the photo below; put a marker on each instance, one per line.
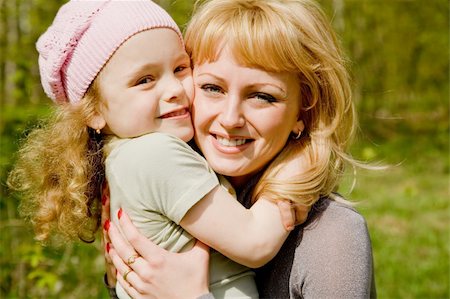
(84, 35)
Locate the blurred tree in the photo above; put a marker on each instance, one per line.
(398, 55)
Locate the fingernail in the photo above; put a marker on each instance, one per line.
(104, 185)
(106, 225)
(108, 247)
(119, 213)
(104, 198)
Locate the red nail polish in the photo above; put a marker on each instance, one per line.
(108, 247)
(104, 198)
(106, 225)
(119, 213)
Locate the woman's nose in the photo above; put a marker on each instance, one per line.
(232, 115)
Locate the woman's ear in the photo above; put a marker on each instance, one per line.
(298, 128)
(97, 122)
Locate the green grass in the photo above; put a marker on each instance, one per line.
(406, 207)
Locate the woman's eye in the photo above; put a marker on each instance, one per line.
(264, 97)
(180, 69)
(145, 80)
(211, 88)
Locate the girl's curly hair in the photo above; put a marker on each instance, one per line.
(59, 171)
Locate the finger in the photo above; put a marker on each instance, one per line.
(106, 253)
(133, 284)
(128, 287)
(301, 213)
(125, 252)
(124, 270)
(111, 274)
(123, 249)
(110, 269)
(146, 248)
(106, 214)
(287, 214)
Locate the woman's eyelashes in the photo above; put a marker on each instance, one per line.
(211, 88)
(214, 89)
(265, 97)
(181, 68)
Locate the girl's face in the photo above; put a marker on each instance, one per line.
(242, 116)
(147, 87)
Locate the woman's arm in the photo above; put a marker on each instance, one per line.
(157, 273)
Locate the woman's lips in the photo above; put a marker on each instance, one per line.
(230, 145)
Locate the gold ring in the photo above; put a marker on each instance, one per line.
(126, 274)
(132, 259)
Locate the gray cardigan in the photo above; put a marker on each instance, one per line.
(329, 256)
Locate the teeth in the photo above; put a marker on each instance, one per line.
(230, 142)
(175, 113)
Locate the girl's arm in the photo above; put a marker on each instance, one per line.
(250, 237)
(187, 192)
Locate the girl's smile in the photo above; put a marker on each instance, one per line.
(154, 92)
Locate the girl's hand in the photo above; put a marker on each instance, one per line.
(146, 270)
(292, 214)
(110, 278)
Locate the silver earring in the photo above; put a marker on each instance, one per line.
(298, 135)
(97, 131)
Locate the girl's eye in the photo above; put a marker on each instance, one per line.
(145, 80)
(265, 97)
(211, 88)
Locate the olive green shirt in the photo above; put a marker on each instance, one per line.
(156, 179)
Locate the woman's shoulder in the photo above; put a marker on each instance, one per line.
(336, 212)
(334, 224)
(333, 256)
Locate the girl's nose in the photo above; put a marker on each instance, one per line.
(172, 89)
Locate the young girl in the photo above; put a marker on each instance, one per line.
(118, 72)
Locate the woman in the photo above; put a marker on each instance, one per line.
(236, 46)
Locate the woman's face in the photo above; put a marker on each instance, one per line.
(242, 116)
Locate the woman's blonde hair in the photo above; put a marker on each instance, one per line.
(288, 36)
(59, 171)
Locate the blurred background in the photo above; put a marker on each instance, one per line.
(399, 54)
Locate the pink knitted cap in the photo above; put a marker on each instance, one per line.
(84, 35)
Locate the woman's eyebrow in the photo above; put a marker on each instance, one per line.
(271, 84)
(218, 78)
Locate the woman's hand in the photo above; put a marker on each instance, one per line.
(110, 278)
(145, 270)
